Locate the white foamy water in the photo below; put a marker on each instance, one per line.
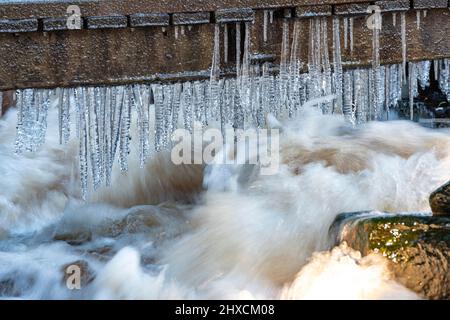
(157, 234)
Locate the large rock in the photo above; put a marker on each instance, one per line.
(417, 247)
(440, 201)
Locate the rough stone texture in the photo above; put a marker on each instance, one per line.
(189, 18)
(428, 4)
(107, 56)
(149, 20)
(440, 201)
(20, 25)
(417, 247)
(55, 24)
(107, 22)
(120, 56)
(108, 7)
(352, 9)
(313, 11)
(392, 6)
(234, 15)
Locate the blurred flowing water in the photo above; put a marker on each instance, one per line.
(166, 231)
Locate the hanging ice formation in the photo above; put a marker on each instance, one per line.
(103, 118)
(444, 76)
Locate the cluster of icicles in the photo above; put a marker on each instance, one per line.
(103, 116)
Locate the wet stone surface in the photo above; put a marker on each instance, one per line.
(417, 247)
(440, 201)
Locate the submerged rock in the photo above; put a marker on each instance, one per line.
(417, 247)
(74, 237)
(440, 201)
(8, 288)
(157, 222)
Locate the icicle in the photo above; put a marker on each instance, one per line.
(228, 102)
(404, 53)
(393, 79)
(345, 21)
(82, 117)
(413, 90)
(31, 119)
(266, 88)
(214, 89)
(1, 103)
(357, 93)
(245, 89)
(238, 49)
(436, 69)
(348, 109)
(168, 91)
(143, 122)
(75, 93)
(107, 135)
(387, 89)
(284, 76)
(376, 88)
(101, 109)
(159, 116)
(215, 66)
(176, 104)
(199, 102)
(424, 73)
(64, 116)
(294, 71)
(351, 21)
(125, 122)
(176, 33)
(93, 135)
(265, 26)
(418, 15)
(223, 107)
(225, 43)
(313, 68)
(444, 78)
(361, 95)
(381, 93)
(186, 106)
(327, 77)
(337, 61)
(285, 46)
(425, 13)
(117, 105)
(394, 18)
(270, 16)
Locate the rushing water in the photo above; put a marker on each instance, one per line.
(160, 232)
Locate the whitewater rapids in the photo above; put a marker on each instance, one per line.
(188, 232)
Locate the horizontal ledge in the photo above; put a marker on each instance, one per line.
(16, 26)
(191, 18)
(107, 22)
(234, 15)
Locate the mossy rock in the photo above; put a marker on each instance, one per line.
(417, 246)
(440, 201)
